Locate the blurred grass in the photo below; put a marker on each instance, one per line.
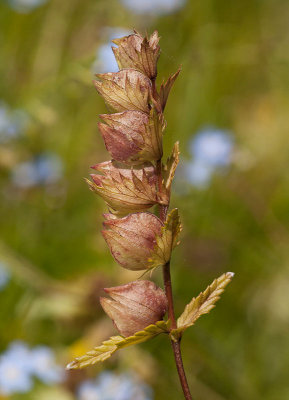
(234, 59)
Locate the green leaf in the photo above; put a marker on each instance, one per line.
(106, 350)
(166, 241)
(202, 304)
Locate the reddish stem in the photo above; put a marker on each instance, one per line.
(181, 371)
(163, 209)
(175, 345)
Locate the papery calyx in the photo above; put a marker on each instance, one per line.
(127, 189)
(141, 53)
(125, 90)
(134, 306)
(133, 137)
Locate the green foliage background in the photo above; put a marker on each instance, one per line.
(234, 58)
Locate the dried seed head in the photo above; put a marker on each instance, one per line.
(125, 90)
(132, 239)
(134, 51)
(134, 306)
(133, 137)
(125, 189)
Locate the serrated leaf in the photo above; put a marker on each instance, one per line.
(171, 166)
(166, 240)
(203, 303)
(106, 350)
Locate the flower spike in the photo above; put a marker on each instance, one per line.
(132, 182)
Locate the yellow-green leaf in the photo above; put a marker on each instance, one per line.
(166, 241)
(107, 348)
(203, 303)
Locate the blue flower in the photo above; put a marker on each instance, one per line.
(25, 6)
(19, 364)
(155, 7)
(4, 275)
(89, 391)
(49, 168)
(12, 123)
(111, 386)
(42, 170)
(105, 60)
(198, 173)
(14, 376)
(19, 353)
(212, 147)
(44, 367)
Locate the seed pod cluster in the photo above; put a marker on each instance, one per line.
(135, 180)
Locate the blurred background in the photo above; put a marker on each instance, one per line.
(229, 110)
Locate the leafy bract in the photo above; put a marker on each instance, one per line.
(202, 304)
(166, 88)
(166, 240)
(107, 348)
(171, 166)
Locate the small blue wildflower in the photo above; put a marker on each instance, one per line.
(25, 6)
(154, 7)
(4, 275)
(19, 353)
(212, 147)
(89, 391)
(12, 123)
(197, 173)
(13, 377)
(44, 367)
(105, 60)
(49, 168)
(111, 386)
(42, 170)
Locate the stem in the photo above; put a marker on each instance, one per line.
(171, 314)
(163, 209)
(175, 345)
